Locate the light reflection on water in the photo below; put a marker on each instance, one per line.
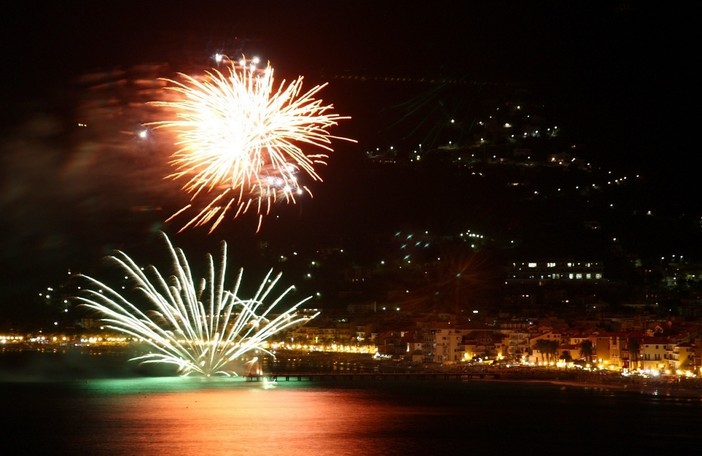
(164, 416)
(230, 416)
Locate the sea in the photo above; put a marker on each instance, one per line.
(53, 409)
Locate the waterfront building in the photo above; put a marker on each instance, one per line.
(684, 356)
(442, 343)
(482, 344)
(656, 353)
(515, 342)
(609, 349)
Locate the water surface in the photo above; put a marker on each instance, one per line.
(191, 416)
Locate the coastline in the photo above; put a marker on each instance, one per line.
(655, 388)
(664, 388)
(35, 365)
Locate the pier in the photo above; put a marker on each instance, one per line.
(341, 376)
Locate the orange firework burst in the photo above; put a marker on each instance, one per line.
(240, 140)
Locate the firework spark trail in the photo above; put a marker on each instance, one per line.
(200, 328)
(239, 139)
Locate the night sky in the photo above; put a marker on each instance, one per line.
(617, 75)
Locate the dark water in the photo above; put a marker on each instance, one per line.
(151, 415)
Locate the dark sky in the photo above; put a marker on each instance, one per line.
(618, 74)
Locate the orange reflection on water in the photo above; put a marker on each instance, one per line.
(245, 421)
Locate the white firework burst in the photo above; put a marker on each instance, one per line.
(238, 132)
(199, 327)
